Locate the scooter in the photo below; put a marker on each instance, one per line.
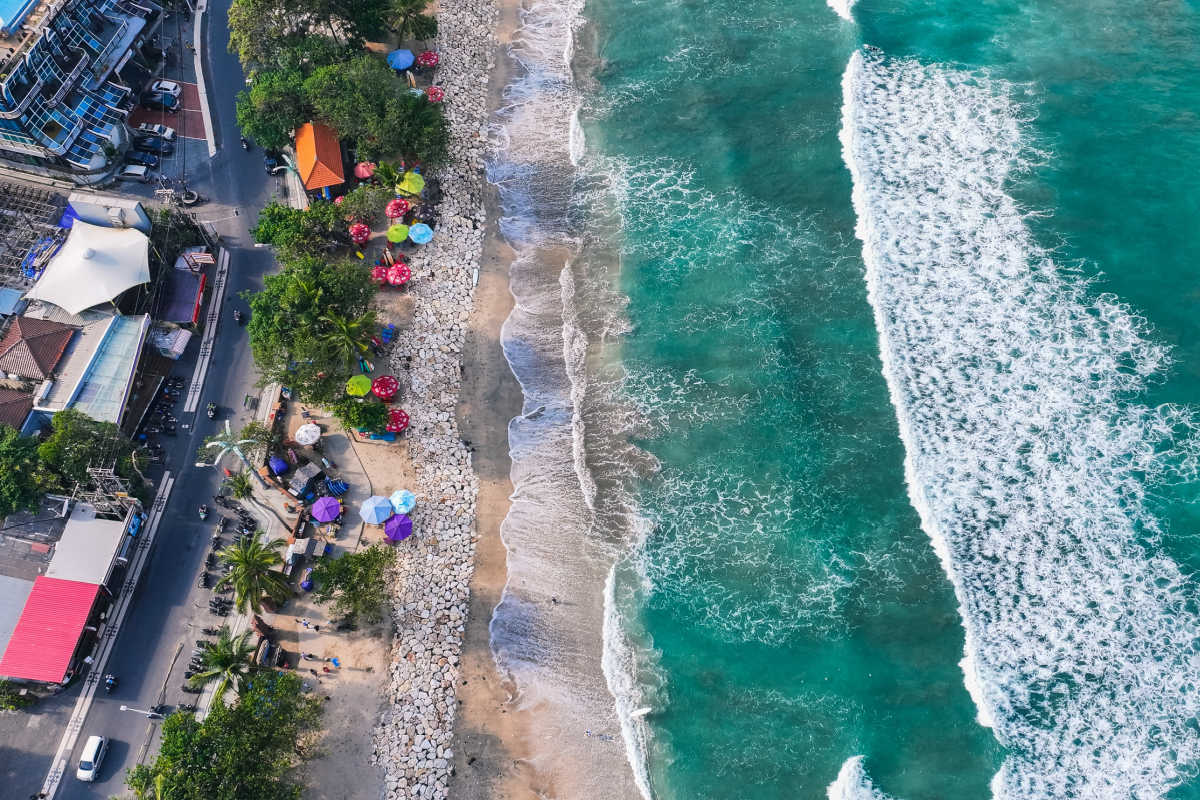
(245, 144)
(188, 707)
(203, 512)
(191, 689)
(211, 631)
(237, 316)
(212, 410)
(203, 582)
(110, 683)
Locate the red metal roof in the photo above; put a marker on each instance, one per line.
(49, 629)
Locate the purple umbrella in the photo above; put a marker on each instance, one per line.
(278, 465)
(398, 528)
(326, 509)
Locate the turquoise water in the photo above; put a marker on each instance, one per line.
(788, 602)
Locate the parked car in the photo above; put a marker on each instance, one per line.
(134, 172)
(91, 758)
(163, 132)
(166, 87)
(158, 101)
(145, 159)
(153, 144)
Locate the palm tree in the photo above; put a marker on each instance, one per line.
(387, 175)
(408, 19)
(239, 485)
(253, 575)
(227, 660)
(225, 443)
(347, 337)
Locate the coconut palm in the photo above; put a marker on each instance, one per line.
(407, 19)
(239, 485)
(227, 661)
(346, 338)
(253, 575)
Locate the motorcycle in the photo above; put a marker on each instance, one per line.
(212, 410)
(191, 689)
(188, 707)
(203, 512)
(110, 683)
(203, 582)
(245, 144)
(211, 631)
(159, 709)
(237, 316)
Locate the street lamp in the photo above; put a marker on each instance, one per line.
(147, 713)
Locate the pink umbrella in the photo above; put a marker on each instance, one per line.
(435, 94)
(379, 274)
(398, 274)
(364, 170)
(397, 420)
(385, 387)
(337, 201)
(427, 58)
(397, 208)
(360, 232)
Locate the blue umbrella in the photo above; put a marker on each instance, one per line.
(375, 509)
(278, 465)
(403, 501)
(400, 59)
(420, 233)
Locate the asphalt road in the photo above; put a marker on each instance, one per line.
(169, 610)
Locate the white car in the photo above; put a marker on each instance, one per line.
(167, 87)
(91, 757)
(134, 172)
(161, 131)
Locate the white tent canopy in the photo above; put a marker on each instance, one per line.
(94, 266)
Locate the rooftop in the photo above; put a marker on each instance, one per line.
(32, 347)
(87, 547)
(73, 366)
(13, 594)
(15, 406)
(106, 384)
(318, 156)
(46, 635)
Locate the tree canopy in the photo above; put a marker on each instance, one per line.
(273, 107)
(243, 751)
(365, 413)
(253, 575)
(22, 478)
(355, 582)
(319, 228)
(76, 442)
(408, 20)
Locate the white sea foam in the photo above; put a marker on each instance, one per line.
(843, 8)
(852, 783)
(1027, 457)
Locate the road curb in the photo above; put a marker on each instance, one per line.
(220, 281)
(201, 85)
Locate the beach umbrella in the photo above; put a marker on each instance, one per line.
(427, 58)
(397, 233)
(278, 465)
(435, 94)
(385, 387)
(411, 183)
(400, 59)
(397, 208)
(307, 434)
(403, 501)
(326, 509)
(358, 386)
(379, 274)
(337, 201)
(364, 169)
(420, 233)
(397, 421)
(360, 232)
(398, 528)
(398, 275)
(375, 510)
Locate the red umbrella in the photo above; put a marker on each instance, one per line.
(435, 94)
(427, 58)
(397, 208)
(398, 274)
(385, 387)
(360, 232)
(364, 170)
(397, 420)
(379, 274)
(337, 201)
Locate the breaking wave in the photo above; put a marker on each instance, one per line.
(1027, 457)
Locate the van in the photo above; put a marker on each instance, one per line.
(91, 758)
(134, 172)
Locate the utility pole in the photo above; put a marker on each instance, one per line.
(108, 493)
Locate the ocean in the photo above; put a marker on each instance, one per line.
(859, 450)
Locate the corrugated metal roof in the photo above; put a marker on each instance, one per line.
(318, 156)
(49, 629)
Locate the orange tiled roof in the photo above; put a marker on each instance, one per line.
(318, 156)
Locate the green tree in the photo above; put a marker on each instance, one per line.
(367, 201)
(11, 698)
(346, 338)
(364, 100)
(296, 233)
(76, 442)
(408, 20)
(22, 479)
(242, 751)
(226, 661)
(260, 437)
(253, 574)
(273, 107)
(239, 485)
(356, 582)
(362, 413)
(259, 32)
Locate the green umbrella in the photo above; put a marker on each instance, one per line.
(412, 183)
(397, 233)
(358, 386)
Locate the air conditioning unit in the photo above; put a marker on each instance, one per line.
(116, 216)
